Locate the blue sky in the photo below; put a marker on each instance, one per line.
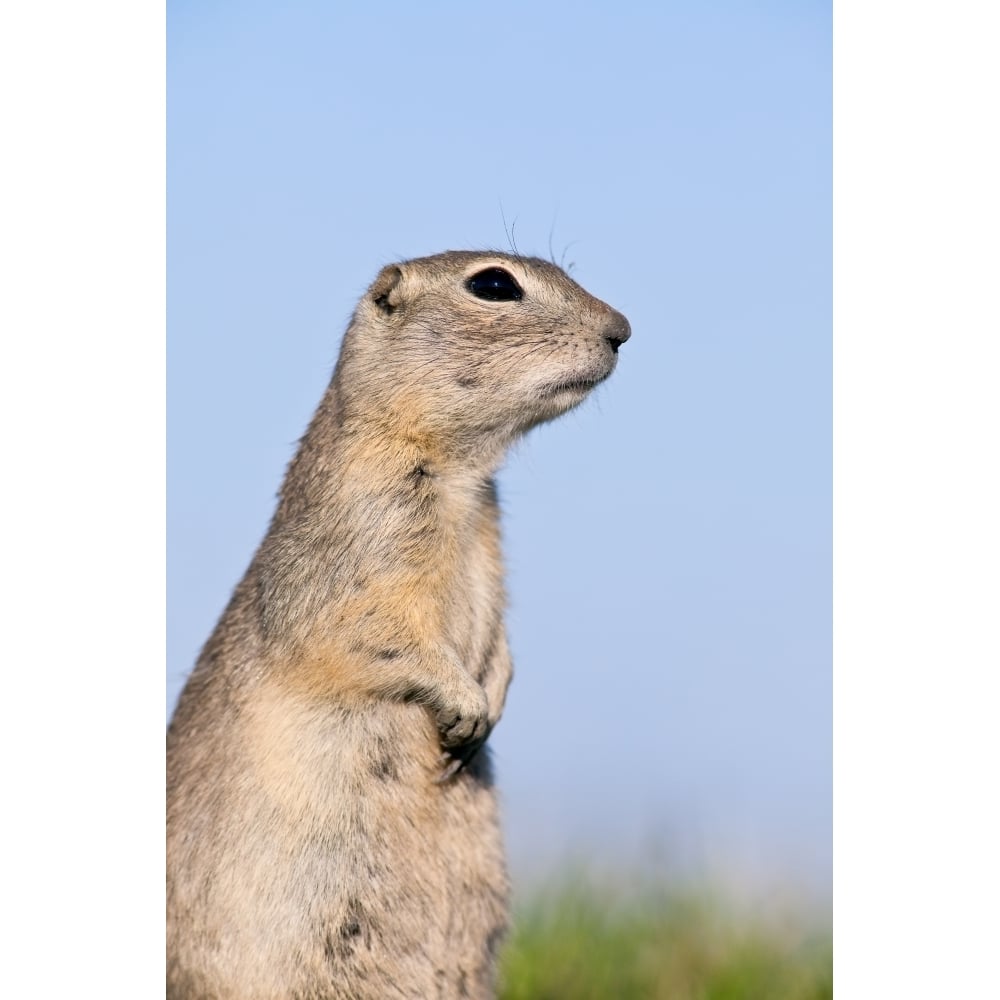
(669, 544)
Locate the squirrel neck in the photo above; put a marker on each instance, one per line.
(375, 462)
(360, 508)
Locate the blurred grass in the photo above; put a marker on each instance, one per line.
(577, 941)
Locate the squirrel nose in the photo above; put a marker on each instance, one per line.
(617, 331)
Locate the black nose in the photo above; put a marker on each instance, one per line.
(617, 331)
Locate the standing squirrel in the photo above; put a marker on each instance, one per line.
(332, 824)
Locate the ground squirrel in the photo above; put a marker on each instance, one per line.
(332, 826)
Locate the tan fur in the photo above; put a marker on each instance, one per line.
(313, 849)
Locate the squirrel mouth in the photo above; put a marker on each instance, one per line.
(583, 384)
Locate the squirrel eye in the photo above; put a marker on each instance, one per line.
(495, 285)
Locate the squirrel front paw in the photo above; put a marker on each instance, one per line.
(463, 726)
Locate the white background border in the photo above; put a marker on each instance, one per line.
(82, 327)
(916, 499)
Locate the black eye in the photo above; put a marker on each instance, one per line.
(495, 285)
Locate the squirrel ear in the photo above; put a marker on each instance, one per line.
(385, 291)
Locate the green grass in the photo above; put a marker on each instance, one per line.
(579, 941)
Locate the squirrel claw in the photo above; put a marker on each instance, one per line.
(450, 767)
(453, 761)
